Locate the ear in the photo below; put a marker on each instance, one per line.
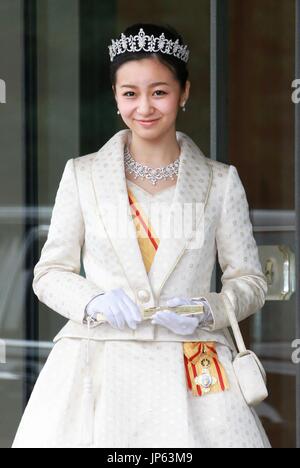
(115, 96)
(185, 94)
(187, 90)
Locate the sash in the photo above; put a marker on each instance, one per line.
(204, 372)
(147, 239)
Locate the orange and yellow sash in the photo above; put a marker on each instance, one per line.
(204, 372)
(147, 240)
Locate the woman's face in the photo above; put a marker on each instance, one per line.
(146, 90)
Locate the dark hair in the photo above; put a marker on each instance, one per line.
(177, 66)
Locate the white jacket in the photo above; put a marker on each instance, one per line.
(84, 222)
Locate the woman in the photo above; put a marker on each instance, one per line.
(113, 378)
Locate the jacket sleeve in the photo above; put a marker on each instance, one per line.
(57, 282)
(244, 286)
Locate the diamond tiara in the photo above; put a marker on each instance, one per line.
(148, 43)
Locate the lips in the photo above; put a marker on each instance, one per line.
(147, 123)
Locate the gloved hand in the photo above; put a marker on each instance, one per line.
(117, 307)
(180, 324)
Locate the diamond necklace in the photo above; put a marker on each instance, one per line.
(147, 172)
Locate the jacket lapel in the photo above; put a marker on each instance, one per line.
(109, 179)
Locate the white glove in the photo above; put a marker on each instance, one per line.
(117, 307)
(180, 324)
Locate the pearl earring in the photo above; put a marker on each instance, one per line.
(118, 112)
(183, 107)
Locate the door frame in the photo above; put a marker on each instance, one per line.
(31, 315)
(297, 208)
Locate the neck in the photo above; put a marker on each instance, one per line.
(154, 153)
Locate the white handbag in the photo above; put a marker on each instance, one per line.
(249, 371)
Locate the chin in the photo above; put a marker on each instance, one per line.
(148, 134)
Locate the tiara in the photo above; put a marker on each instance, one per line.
(148, 44)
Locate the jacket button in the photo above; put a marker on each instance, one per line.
(143, 295)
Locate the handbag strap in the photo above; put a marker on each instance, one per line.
(240, 341)
(235, 328)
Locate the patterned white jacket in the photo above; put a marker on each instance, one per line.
(92, 208)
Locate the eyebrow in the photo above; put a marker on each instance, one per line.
(159, 83)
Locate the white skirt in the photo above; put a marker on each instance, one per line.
(140, 399)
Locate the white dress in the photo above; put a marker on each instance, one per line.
(140, 395)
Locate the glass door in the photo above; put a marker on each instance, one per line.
(254, 63)
(39, 131)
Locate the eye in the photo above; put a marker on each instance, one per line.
(125, 94)
(160, 91)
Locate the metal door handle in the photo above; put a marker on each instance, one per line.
(269, 271)
(278, 263)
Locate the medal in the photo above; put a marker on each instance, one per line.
(205, 373)
(205, 380)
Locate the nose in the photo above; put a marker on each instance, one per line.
(144, 107)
